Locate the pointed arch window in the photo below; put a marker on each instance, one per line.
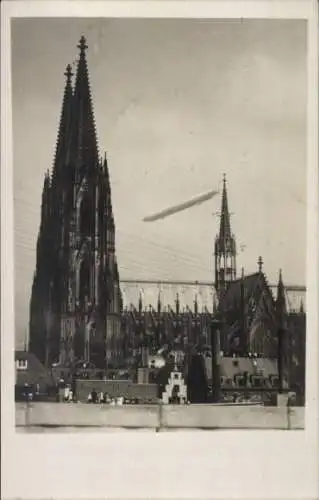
(84, 281)
(85, 217)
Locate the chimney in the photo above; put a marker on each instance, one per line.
(215, 342)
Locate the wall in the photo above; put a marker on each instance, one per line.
(158, 417)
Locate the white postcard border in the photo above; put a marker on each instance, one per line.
(225, 464)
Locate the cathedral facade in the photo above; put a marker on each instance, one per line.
(76, 308)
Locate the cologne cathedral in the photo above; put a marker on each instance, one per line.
(76, 309)
(76, 302)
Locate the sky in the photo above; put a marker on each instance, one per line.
(177, 103)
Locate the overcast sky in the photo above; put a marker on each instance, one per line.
(177, 103)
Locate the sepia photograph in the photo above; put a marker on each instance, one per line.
(159, 195)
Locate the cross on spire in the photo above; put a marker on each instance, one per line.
(82, 44)
(68, 73)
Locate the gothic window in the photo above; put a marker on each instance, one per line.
(252, 305)
(257, 381)
(229, 246)
(22, 364)
(85, 217)
(84, 281)
(68, 328)
(70, 297)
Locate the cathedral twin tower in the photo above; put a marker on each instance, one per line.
(76, 303)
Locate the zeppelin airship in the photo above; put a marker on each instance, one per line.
(197, 200)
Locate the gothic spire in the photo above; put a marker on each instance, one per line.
(43, 220)
(107, 185)
(45, 206)
(196, 305)
(106, 168)
(225, 248)
(281, 297)
(65, 121)
(84, 135)
(159, 302)
(107, 195)
(140, 303)
(260, 264)
(177, 303)
(224, 229)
